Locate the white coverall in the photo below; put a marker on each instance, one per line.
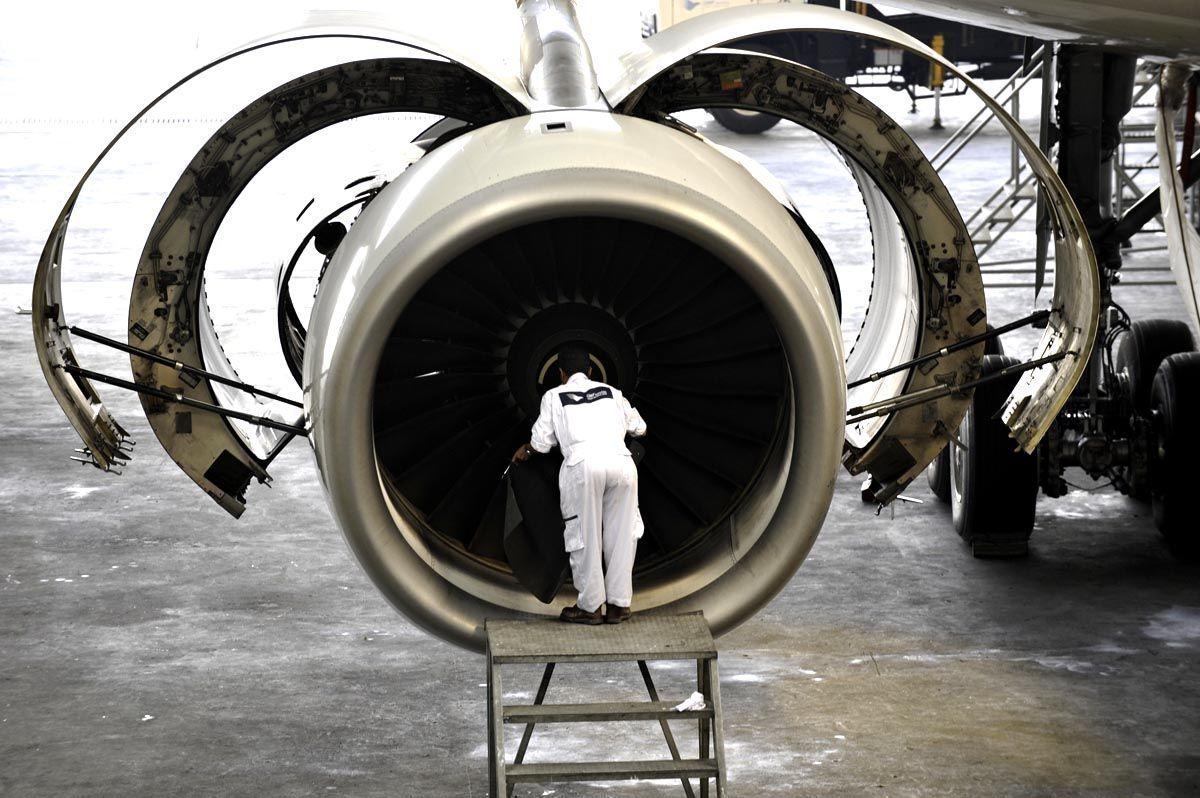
(597, 485)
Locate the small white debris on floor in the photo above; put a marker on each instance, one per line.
(694, 701)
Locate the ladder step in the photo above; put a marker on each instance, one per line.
(1004, 213)
(575, 713)
(602, 771)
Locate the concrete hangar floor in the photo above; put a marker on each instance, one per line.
(150, 646)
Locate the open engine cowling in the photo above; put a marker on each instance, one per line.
(693, 287)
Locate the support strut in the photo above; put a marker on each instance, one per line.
(1150, 205)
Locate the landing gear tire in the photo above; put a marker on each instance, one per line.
(1174, 397)
(746, 123)
(993, 487)
(937, 473)
(1147, 344)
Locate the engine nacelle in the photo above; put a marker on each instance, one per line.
(439, 315)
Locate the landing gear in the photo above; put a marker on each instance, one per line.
(1147, 344)
(993, 487)
(1174, 399)
(746, 123)
(1133, 420)
(938, 475)
(938, 472)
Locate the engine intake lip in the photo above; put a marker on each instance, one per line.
(417, 225)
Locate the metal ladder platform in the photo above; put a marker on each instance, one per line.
(641, 639)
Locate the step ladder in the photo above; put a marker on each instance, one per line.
(641, 639)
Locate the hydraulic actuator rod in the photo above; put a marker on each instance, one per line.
(1031, 319)
(167, 396)
(183, 368)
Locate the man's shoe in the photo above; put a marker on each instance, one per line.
(615, 614)
(574, 614)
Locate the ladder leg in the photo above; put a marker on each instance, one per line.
(666, 727)
(705, 726)
(491, 733)
(714, 684)
(527, 735)
(496, 716)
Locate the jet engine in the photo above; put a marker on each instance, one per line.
(437, 324)
(553, 206)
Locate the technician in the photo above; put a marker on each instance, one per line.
(597, 485)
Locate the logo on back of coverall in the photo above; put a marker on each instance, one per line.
(583, 397)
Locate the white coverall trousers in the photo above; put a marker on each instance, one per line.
(598, 497)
